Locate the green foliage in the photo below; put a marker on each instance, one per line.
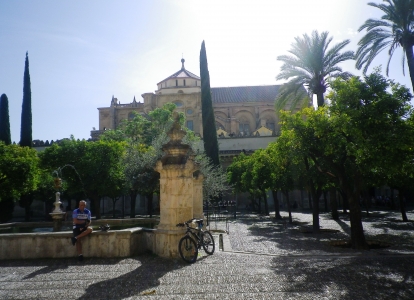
(26, 121)
(209, 123)
(19, 170)
(5, 135)
(393, 30)
(311, 65)
(359, 140)
(92, 168)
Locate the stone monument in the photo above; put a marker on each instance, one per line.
(180, 191)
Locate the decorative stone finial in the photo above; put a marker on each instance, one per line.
(182, 62)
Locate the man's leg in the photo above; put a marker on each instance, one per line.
(79, 242)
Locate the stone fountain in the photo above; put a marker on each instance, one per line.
(57, 214)
(180, 191)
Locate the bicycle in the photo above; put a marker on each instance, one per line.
(194, 239)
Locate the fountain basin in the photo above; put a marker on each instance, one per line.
(113, 243)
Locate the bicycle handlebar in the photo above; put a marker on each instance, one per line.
(188, 222)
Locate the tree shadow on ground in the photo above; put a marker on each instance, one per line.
(358, 277)
(143, 280)
(279, 237)
(46, 265)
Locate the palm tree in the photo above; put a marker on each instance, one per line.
(311, 65)
(393, 30)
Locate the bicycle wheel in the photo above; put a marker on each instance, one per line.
(208, 242)
(188, 249)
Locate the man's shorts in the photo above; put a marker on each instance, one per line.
(78, 231)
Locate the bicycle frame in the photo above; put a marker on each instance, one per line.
(195, 233)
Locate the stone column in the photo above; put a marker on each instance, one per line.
(176, 170)
(198, 195)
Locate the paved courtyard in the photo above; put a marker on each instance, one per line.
(262, 259)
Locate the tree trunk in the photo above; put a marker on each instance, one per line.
(402, 206)
(277, 207)
(320, 98)
(325, 201)
(133, 197)
(345, 203)
(315, 197)
(334, 204)
(265, 203)
(410, 61)
(315, 213)
(357, 230)
(288, 206)
(310, 200)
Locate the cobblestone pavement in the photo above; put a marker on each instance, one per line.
(262, 259)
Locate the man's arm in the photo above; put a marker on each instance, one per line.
(80, 222)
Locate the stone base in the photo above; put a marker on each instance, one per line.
(166, 242)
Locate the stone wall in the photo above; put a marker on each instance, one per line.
(117, 243)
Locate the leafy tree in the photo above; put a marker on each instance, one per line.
(18, 175)
(286, 170)
(261, 174)
(240, 177)
(393, 30)
(356, 137)
(144, 136)
(91, 167)
(311, 65)
(209, 123)
(26, 124)
(4, 120)
(380, 109)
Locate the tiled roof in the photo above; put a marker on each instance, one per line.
(237, 94)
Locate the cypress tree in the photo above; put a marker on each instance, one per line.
(26, 124)
(4, 120)
(209, 123)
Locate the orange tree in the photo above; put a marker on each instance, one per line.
(91, 168)
(356, 137)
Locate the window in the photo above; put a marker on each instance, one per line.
(244, 128)
(131, 115)
(184, 82)
(176, 83)
(190, 125)
(196, 82)
(178, 103)
(189, 111)
(270, 125)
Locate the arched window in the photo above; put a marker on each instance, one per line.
(270, 124)
(244, 128)
(131, 115)
(178, 103)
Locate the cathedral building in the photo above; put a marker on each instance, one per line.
(245, 115)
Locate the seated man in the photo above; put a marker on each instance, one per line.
(81, 220)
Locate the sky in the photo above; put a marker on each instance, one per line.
(81, 53)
